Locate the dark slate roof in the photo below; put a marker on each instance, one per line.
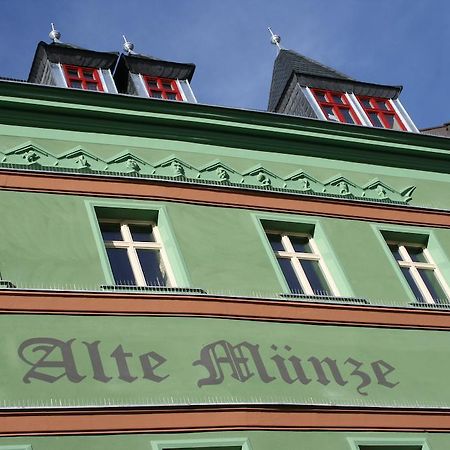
(68, 54)
(148, 65)
(314, 74)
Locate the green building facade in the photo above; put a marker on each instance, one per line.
(176, 275)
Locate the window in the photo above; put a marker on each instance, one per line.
(203, 444)
(135, 253)
(164, 88)
(420, 272)
(390, 447)
(86, 78)
(335, 106)
(301, 264)
(381, 113)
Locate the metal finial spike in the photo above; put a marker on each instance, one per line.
(54, 35)
(128, 46)
(275, 39)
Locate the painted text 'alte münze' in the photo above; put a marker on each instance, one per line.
(53, 359)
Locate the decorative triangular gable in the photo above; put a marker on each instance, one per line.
(174, 167)
(126, 162)
(301, 181)
(29, 154)
(340, 185)
(377, 189)
(80, 159)
(221, 173)
(260, 176)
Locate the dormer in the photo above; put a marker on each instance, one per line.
(304, 87)
(150, 77)
(66, 65)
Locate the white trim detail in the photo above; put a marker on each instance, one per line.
(63, 75)
(358, 109)
(132, 246)
(296, 257)
(313, 103)
(102, 79)
(414, 266)
(404, 116)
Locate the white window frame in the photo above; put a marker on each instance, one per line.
(359, 111)
(131, 246)
(413, 267)
(295, 257)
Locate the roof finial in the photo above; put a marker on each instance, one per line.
(128, 46)
(54, 35)
(275, 39)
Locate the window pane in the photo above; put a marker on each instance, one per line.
(412, 284)
(89, 75)
(433, 286)
(156, 94)
(120, 266)
(167, 86)
(152, 83)
(366, 103)
(329, 114)
(315, 277)
(72, 73)
(142, 233)
(389, 118)
(111, 231)
(91, 86)
(416, 254)
(275, 242)
(394, 249)
(152, 266)
(382, 105)
(337, 99)
(347, 116)
(375, 120)
(75, 84)
(321, 97)
(171, 96)
(290, 276)
(300, 244)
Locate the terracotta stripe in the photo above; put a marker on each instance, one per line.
(266, 201)
(220, 419)
(29, 302)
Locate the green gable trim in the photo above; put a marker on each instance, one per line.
(175, 170)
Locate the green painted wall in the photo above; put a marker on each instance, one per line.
(52, 241)
(258, 440)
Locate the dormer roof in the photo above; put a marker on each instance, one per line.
(292, 67)
(149, 65)
(68, 54)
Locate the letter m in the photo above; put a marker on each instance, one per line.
(221, 353)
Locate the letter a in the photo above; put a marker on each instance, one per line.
(49, 346)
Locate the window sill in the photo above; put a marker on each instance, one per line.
(151, 289)
(326, 299)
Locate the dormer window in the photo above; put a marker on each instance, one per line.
(86, 78)
(381, 113)
(335, 106)
(164, 88)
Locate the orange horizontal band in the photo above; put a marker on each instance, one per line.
(219, 419)
(90, 303)
(268, 201)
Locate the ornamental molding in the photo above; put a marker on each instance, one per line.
(32, 157)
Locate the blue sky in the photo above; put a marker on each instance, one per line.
(382, 41)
